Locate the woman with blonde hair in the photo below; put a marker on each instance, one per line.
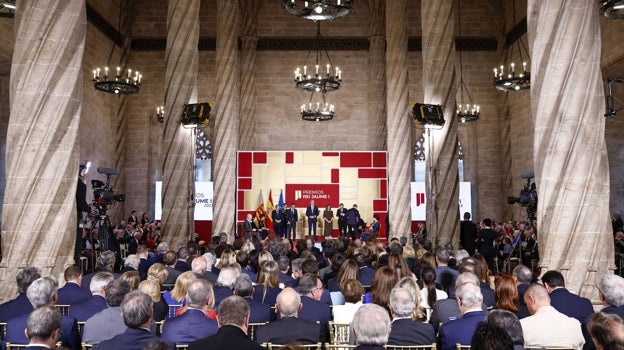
(264, 256)
(348, 271)
(228, 257)
(397, 263)
(177, 296)
(267, 287)
(132, 277)
(158, 272)
(410, 284)
(152, 288)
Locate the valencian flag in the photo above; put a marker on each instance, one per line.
(270, 208)
(260, 209)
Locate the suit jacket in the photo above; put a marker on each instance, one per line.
(342, 215)
(468, 235)
(133, 246)
(69, 337)
(445, 310)
(617, 310)
(489, 295)
(408, 332)
(369, 347)
(485, 242)
(227, 338)
(258, 312)
(71, 294)
(313, 311)
(103, 326)
(247, 226)
(131, 339)
(460, 330)
(353, 217)
(300, 331)
(144, 265)
(14, 308)
(188, 327)
(182, 266)
(84, 310)
(312, 211)
(446, 276)
(570, 304)
(220, 293)
(291, 215)
(284, 278)
(173, 275)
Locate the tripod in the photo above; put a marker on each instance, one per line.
(105, 230)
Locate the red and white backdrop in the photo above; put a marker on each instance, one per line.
(328, 178)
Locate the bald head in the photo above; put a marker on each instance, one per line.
(288, 302)
(536, 296)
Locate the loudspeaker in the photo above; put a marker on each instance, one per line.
(428, 115)
(196, 114)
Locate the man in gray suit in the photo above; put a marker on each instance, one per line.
(107, 323)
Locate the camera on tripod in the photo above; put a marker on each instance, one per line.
(528, 196)
(103, 192)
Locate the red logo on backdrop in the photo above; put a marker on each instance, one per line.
(322, 195)
(420, 199)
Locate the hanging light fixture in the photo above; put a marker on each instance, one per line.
(119, 84)
(467, 110)
(160, 113)
(317, 111)
(318, 73)
(7, 8)
(319, 10)
(613, 9)
(513, 79)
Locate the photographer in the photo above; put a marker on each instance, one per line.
(81, 207)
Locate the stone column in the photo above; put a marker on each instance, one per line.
(377, 74)
(249, 39)
(227, 117)
(181, 57)
(398, 123)
(439, 87)
(570, 155)
(42, 158)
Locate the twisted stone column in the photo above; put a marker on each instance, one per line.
(440, 86)
(226, 117)
(569, 150)
(181, 59)
(249, 40)
(398, 123)
(377, 74)
(39, 209)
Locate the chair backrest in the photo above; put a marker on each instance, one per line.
(339, 346)
(63, 309)
(271, 346)
(338, 333)
(11, 346)
(3, 331)
(167, 286)
(251, 329)
(81, 325)
(408, 347)
(159, 327)
(182, 347)
(462, 347)
(550, 348)
(172, 310)
(86, 346)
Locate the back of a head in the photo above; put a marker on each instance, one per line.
(487, 222)
(151, 288)
(554, 279)
(42, 322)
(508, 321)
(539, 293)
(288, 301)
(210, 260)
(25, 277)
(523, 274)
(199, 293)
(42, 291)
(162, 247)
(136, 309)
(371, 325)
(402, 302)
(243, 286)
(310, 266)
(607, 330)
(242, 258)
(227, 276)
(99, 280)
(72, 273)
(199, 265)
(170, 258)
(283, 263)
(132, 277)
(352, 291)
(158, 272)
(116, 290)
(183, 253)
(106, 260)
(466, 216)
(466, 277)
(443, 255)
(307, 283)
(470, 295)
(612, 288)
(233, 311)
(490, 337)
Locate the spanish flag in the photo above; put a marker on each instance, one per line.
(260, 209)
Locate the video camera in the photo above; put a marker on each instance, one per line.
(528, 196)
(103, 193)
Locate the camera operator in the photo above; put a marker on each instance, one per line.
(81, 207)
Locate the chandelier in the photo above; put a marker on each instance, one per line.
(319, 10)
(7, 8)
(318, 73)
(319, 111)
(512, 80)
(613, 9)
(466, 112)
(119, 84)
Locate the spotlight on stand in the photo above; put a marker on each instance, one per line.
(196, 115)
(613, 9)
(429, 116)
(610, 99)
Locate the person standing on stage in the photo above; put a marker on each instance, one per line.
(278, 221)
(341, 213)
(328, 221)
(291, 221)
(312, 213)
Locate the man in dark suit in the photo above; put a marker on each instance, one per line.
(97, 302)
(284, 268)
(460, 331)
(563, 301)
(405, 331)
(299, 331)
(371, 327)
(43, 292)
(353, 220)
(468, 234)
(485, 244)
(224, 285)
(523, 276)
(170, 260)
(193, 324)
(341, 213)
(258, 312)
(233, 322)
(132, 219)
(20, 305)
(72, 293)
(445, 276)
(137, 313)
(312, 213)
(249, 228)
(43, 328)
(81, 207)
(291, 221)
(182, 264)
(278, 221)
(313, 309)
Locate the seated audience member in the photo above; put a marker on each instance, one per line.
(192, 324)
(225, 283)
(97, 302)
(183, 257)
(170, 260)
(523, 276)
(546, 326)
(267, 287)
(489, 336)
(43, 292)
(367, 273)
(159, 257)
(108, 322)
(210, 262)
(508, 321)
(483, 273)
(198, 266)
(430, 294)
(313, 310)
(158, 272)
(300, 331)
(20, 305)
(448, 309)
(507, 297)
(460, 331)
(371, 327)
(178, 293)
(258, 312)
(151, 288)
(105, 263)
(563, 300)
(296, 273)
(131, 263)
(611, 293)
(143, 255)
(72, 293)
(406, 331)
(445, 276)
(233, 323)
(385, 280)
(284, 267)
(136, 311)
(607, 331)
(132, 277)
(43, 328)
(352, 291)
(349, 270)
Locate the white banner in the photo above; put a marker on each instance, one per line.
(203, 201)
(419, 204)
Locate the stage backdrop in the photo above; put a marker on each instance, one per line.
(325, 177)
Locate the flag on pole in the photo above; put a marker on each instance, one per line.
(281, 200)
(260, 209)
(270, 208)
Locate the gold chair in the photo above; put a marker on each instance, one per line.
(537, 347)
(181, 346)
(271, 346)
(339, 346)
(3, 326)
(462, 347)
(11, 346)
(81, 328)
(338, 333)
(63, 309)
(251, 329)
(409, 347)
(159, 327)
(86, 346)
(172, 310)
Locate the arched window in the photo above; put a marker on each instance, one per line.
(203, 155)
(420, 168)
